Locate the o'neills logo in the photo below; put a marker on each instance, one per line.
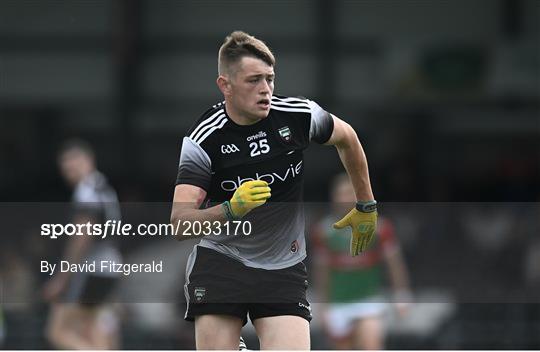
(259, 134)
(291, 172)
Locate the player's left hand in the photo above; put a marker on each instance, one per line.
(363, 221)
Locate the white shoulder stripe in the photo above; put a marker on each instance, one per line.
(299, 109)
(219, 104)
(202, 151)
(288, 105)
(203, 130)
(205, 122)
(290, 99)
(223, 122)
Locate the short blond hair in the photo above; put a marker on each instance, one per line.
(239, 44)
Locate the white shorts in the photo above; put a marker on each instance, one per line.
(340, 317)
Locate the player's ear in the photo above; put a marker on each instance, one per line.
(223, 84)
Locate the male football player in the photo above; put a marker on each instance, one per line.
(79, 318)
(243, 161)
(352, 286)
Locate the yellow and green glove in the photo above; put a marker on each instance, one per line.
(248, 196)
(363, 221)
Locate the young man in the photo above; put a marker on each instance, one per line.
(352, 286)
(79, 318)
(239, 154)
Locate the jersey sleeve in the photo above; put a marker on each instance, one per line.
(85, 194)
(86, 201)
(321, 125)
(195, 165)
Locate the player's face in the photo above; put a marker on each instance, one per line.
(74, 166)
(251, 88)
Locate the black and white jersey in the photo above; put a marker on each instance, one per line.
(218, 155)
(94, 197)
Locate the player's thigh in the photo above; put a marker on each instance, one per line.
(61, 314)
(287, 332)
(65, 318)
(104, 326)
(217, 332)
(55, 321)
(338, 326)
(369, 333)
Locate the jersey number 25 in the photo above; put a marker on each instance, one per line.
(259, 148)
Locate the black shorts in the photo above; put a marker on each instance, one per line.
(89, 290)
(218, 284)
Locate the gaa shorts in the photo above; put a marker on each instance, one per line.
(218, 284)
(89, 290)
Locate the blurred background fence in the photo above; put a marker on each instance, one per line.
(444, 94)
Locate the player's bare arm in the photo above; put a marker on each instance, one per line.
(78, 247)
(75, 251)
(399, 279)
(352, 156)
(363, 218)
(186, 202)
(188, 198)
(397, 270)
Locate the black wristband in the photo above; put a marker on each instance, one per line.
(367, 207)
(226, 206)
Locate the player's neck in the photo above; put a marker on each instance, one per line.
(238, 117)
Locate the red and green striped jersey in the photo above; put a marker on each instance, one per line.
(352, 279)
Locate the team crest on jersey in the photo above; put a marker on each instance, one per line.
(285, 133)
(200, 292)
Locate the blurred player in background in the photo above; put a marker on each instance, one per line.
(79, 318)
(238, 154)
(352, 286)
